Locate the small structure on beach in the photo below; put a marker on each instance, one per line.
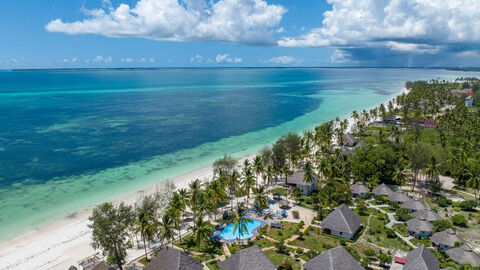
(333, 259)
(342, 222)
(349, 139)
(413, 205)
(296, 181)
(359, 189)
(247, 259)
(464, 255)
(93, 263)
(284, 204)
(419, 227)
(382, 190)
(469, 101)
(426, 214)
(421, 259)
(173, 259)
(445, 240)
(398, 197)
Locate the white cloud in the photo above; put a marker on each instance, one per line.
(468, 54)
(100, 59)
(340, 57)
(243, 21)
(198, 58)
(282, 60)
(415, 26)
(226, 58)
(126, 60)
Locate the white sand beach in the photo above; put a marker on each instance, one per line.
(63, 243)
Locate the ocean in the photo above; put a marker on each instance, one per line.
(70, 139)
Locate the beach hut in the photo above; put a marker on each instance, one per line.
(445, 240)
(284, 204)
(413, 205)
(296, 181)
(419, 227)
(359, 189)
(464, 255)
(173, 259)
(421, 259)
(398, 197)
(382, 190)
(349, 139)
(333, 259)
(342, 222)
(426, 214)
(248, 259)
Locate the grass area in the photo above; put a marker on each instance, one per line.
(188, 243)
(313, 240)
(370, 211)
(424, 241)
(377, 234)
(263, 243)
(203, 257)
(144, 261)
(234, 248)
(213, 265)
(401, 229)
(282, 191)
(362, 247)
(388, 209)
(279, 259)
(289, 229)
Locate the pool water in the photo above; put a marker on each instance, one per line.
(229, 234)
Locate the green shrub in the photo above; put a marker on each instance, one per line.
(299, 251)
(390, 233)
(459, 220)
(468, 205)
(442, 201)
(401, 214)
(441, 225)
(370, 253)
(281, 248)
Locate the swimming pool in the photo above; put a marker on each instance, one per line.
(229, 235)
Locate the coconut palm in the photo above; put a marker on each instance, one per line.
(240, 220)
(248, 183)
(167, 225)
(257, 167)
(202, 230)
(474, 182)
(233, 184)
(309, 176)
(261, 197)
(195, 188)
(146, 225)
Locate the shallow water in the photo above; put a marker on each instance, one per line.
(70, 139)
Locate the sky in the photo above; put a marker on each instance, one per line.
(211, 33)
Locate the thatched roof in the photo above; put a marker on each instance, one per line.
(419, 225)
(359, 188)
(414, 204)
(349, 139)
(342, 220)
(333, 259)
(247, 259)
(398, 197)
(421, 259)
(297, 178)
(382, 190)
(101, 266)
(446, 238)
(173, 259)
(464, 255)
(427, 214)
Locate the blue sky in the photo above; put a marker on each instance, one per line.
(150, 33)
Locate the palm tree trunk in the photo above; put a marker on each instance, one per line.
(145, 248)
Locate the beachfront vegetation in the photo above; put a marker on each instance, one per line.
(429, 143)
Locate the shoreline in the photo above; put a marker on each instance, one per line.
(64, 242)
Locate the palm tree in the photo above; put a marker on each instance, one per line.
(433, 170)
(195, 188)
(309, 176)
(261, 198)
(474, 182)
(399, 175)
(248, 183)
(146, 225)
(240, 220)
(216, 193)
(258, 167)
(167, 225)
(177, 208)
(233, 184)
(202, 230)
(269, 174)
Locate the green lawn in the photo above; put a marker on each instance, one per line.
(188, 243)
(377, 235)
(203, 257)
(388, 209)
(213, 265)
(280, 190)
(263, 243)
(401, 229)
(316, 241)
(424, 241)
(289, 229)
(278, 259)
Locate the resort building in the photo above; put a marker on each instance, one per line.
(445, 239)
(248, 259)
(464, 255)
(359, 189)
(296, 181)
(469, 101)
(382, 190)
(419, 227)
(426, 214)
(413, 205)
(421, 259)
(342, 222)
(173, 259)
(398, 197)
(333, 259)
(349, 139)
(362, 143)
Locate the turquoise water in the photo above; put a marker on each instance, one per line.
(229, 234)
(72, 139)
